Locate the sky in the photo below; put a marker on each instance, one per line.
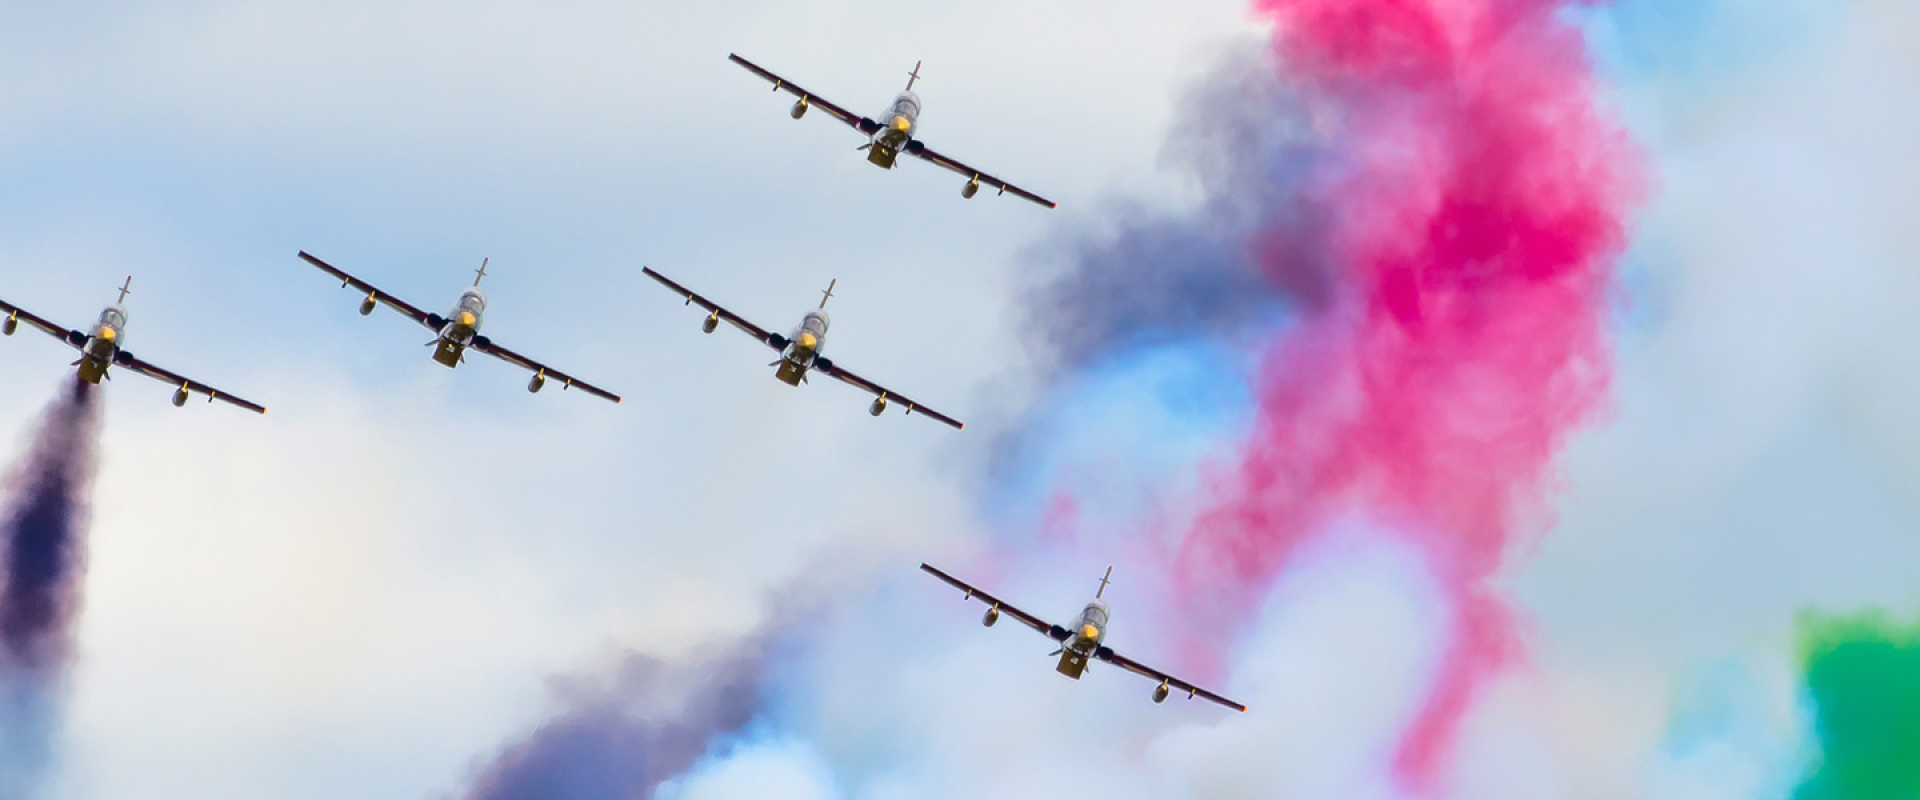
(406, 581)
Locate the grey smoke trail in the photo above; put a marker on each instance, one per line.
(620, 738)
(42, 555)
(1253, 246)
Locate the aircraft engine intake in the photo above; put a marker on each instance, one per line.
(539, 380)
(880, 406)
(972, 188)
(800, 108)
(366, 306)
(1160, 692)
(180, 397)
(713, 321)
(993, 616)
(12, 324)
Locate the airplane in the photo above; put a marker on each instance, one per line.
(1083, 641)
(459, 329)
(886, 142)
(105, 348)
(800, 352)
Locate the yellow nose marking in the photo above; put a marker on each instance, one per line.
(107, 333)
(808, 341)
(901, 124)
(466, 318)
(1089, 633)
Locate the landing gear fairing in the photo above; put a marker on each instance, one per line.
(885, 142)
(459, 329)
(1085, 640)
(800, 352)
(105, 347)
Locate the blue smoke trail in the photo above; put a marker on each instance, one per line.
(42, 556)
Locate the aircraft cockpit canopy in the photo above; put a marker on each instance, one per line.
(814, 323)
(113, 318)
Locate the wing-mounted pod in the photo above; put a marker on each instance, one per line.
(777, 342)
(122, 357)
(880, 407)
(180, 396)
(1160, 692)
(868, 126)
(799, 107)
(436, 322)
(713, 322)
(992, 616)
(366, 306)
(76, 338)
(12, 324)
(972, 188)
(539, 380)
(915, 146)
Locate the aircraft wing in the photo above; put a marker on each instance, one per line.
(857, 122)
(833, 370)
(765, 336)
(928, 153)
(388, 300)
(1047, 629)
(487, 346)
(126, 359)
(1106, 654)
(71, 337)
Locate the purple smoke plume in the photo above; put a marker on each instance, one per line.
(624, 736)
(42, 555)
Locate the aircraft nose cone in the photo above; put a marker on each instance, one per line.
(466, 319)
(807, 341)
(106, 333)
(901, 124)
(1089, 633)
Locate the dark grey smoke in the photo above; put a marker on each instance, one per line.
(43, 527)
(1252, 247)
(621, 737)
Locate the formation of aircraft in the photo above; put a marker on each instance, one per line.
(887, 140)
(798, 354)
(459, 329)
(103, 347)
(800, 351)
(1085, 640)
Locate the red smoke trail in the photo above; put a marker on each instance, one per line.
(1474, 212)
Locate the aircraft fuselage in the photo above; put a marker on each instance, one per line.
(803, 348)
(1087, 634)
(896, 130)
(96, 355)
(461, 326)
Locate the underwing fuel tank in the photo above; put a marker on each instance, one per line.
(447, 353)
(1072, 664)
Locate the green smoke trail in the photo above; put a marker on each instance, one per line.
(1863, 674)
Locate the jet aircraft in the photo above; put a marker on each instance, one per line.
(886, 141)
(105, 348)
(800, 352)
(1086, 640)
(459, 329)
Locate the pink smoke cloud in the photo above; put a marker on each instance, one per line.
(1476, 206)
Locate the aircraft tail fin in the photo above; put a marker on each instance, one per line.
(480, 273)
(828, 294)
(914, 75)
